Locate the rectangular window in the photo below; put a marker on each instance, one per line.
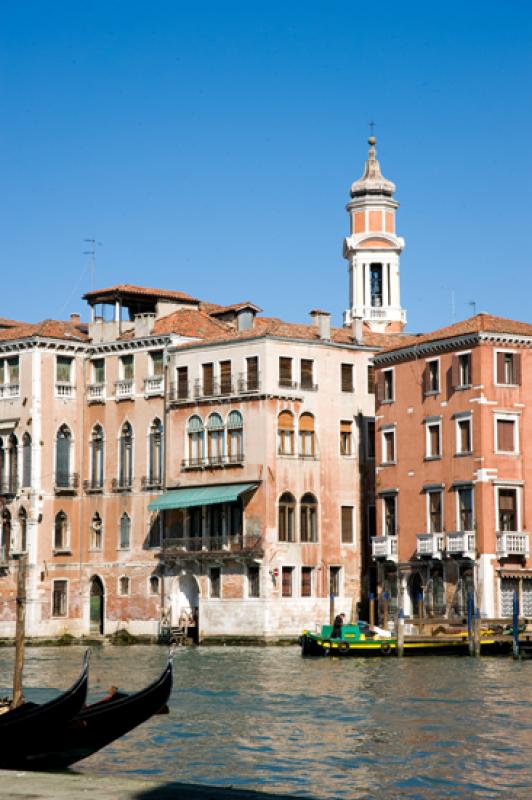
(226, 382)
(508, 366)
(347, 378)
(432, 377)
(465, 508)
(334, 581)
(252, 373)
(253, 582)
(59, 599)
(63, 369)
(388, 393)
(127, 368)
(12, 369)
(388, 447)
(182, 383)
(435, 512)
(370, 439)
(506, 435)
(307, 373)
(461, 371)
(98, 370)
(216, 587)
(156, 362)
(285, 372)
(287, 576)
(463, 435)
(389, 515)
(433, 440)
(507, 510)
(306, 581)
(346, 438)
(371, 379)
(347, 524)
(208, 379)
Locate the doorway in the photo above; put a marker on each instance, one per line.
(416, 595)
(97, 605)
(188, 603)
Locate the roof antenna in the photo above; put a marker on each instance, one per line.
(473, 304)
(91, 252)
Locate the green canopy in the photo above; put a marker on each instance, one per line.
(200, 496)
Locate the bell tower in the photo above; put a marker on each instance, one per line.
(373, 250)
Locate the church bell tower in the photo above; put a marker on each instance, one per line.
(373, 250)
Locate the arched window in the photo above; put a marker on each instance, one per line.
(155, 455)
(96, 532)
(195, 432)
(23, 529)
(26, 460)
(287, 506)
(235, 437)
(5, 538)
(61, 531)
(215, 439)
(63, 445)
(308, 530)
(154, 584)
(123, 585)
(307, 441)
(125, 532)
(97, 457)
(13, 463)
(285, 433)
(125, 476)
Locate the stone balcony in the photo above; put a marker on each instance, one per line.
(8, 390)
(124, 390)
(154, 386)
(461, 543)
(384, 548)
(430, 545)
(96, 393)
(227, 545)
(512, 543)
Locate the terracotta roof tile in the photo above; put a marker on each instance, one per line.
(49, 328)
(141, 291)
(192, 322)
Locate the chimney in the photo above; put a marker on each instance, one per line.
(322, 321)
(75, 319)
(357, 328)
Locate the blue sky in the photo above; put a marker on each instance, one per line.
(210, 147)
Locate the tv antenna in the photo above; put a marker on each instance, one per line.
(473, 304)
(91, 252)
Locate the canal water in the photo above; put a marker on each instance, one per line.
(264, 718)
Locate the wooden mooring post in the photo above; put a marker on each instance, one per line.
(515, 625)
(19, 632)
(331, 608)
(371, 609)
(476, 633)
(385, 601)
(400, 633)
(470, 606)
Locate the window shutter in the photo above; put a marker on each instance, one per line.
(306, 422)
(225, 376)
(208, 378)
(505, 435)
(347, 524)
(380, 387)
(455, 372)
(346, 426)
(517, 368)
(500, 368)
(182, 382)
(285, 421)
(252, 372)
(306, 372)
(347, 377)
(285, 371)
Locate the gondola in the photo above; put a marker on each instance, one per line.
(98, 725)
(24, 729)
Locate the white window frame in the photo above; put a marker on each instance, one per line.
(518, 490)
(495, 376)
(431, 392)
(427, 509)
(466, 416)
(67, 604)
(457, 505)
(508, 417)
(393, 430)
(384, 398)
(429, 423)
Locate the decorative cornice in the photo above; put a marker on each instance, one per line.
(453, 343)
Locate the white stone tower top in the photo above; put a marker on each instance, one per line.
(372, 250)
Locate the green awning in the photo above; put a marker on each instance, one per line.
(200, 496)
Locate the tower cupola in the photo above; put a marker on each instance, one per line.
(373, 249)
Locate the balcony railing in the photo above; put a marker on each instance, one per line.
(308, 386)
(430, 545)
(286, 383)
(227, 543)
(123, 484)
(124, 389)
(248, 383)
(512, 543)
(9, 486)
(9, 390)
(66, 483)
(64, 389)
(183, 392)
(96, 392)
(461, 543)
(210, 462)
(93, 485)
(384, 547)
(153, 386)
(150, 482)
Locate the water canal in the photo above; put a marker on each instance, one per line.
(265, 718)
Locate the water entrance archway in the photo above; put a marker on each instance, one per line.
(97, 605)
(186, 604)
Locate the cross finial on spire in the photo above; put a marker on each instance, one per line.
(371, 139)
(371, 128)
